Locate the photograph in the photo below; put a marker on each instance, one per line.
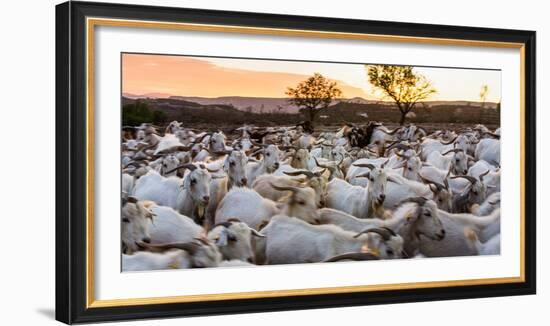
(224, 160)
(232, 162)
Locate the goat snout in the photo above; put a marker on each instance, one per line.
(441, 234)
(244, 181)
(206, 199)
(381, 198)
(146, 240)
(276, 165)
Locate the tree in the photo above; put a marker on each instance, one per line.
(313, 94)
(134, 114)
(159, 117)
(483, 94)
(401, 84)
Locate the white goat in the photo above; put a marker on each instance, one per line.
(315, 180)
(488, 150)
(189, 195)
(171, 227)
(135, 224)
(268, 164)
(197, 254)
(413, 218)
(491, 247)
(359, 201)
(290, 241)
(233, 239)
(248, 206)
(455, 243)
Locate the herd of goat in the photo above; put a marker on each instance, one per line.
(283, 195)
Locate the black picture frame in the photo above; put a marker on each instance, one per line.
(71, 200)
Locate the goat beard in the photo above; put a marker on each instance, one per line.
(378, 210)
(201, 208)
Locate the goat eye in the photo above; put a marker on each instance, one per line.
(232, 163)
(126, 220)
(193, 181)
(474, 192)
(389, 252)
(428, 214)
(267, 154)
(301, 202)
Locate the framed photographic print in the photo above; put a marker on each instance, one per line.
(213, 162)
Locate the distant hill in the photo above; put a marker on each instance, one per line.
(226, 111)
(147, 95)
(281, 105)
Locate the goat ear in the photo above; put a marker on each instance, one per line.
(256, 233)
(401, 164)
(391, 178)
(412, 217)
(221, 241)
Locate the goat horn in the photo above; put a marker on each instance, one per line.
(450, 141)
(131, 199)
(493, 135)
(307, 173)
(392, 233)
(483, 175)
(257, 152)
(383, 165)
(199, 139)
(256, 233)
(418, 200)
(135, 164)
(384, 233)
(438, 185)
(400, 146)
(224, 152)
(363, 175)
(189, 166)
(357, 256)
(365, 165)
(320, 173)
(283, 188)
(454, 150)
(321, 165)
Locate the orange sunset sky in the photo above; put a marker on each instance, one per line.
(214, 77)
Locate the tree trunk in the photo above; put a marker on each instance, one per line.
(403, 116)
(310, 115)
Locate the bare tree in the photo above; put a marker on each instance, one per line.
(483, 94)
(313, 95)
(401, 84)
